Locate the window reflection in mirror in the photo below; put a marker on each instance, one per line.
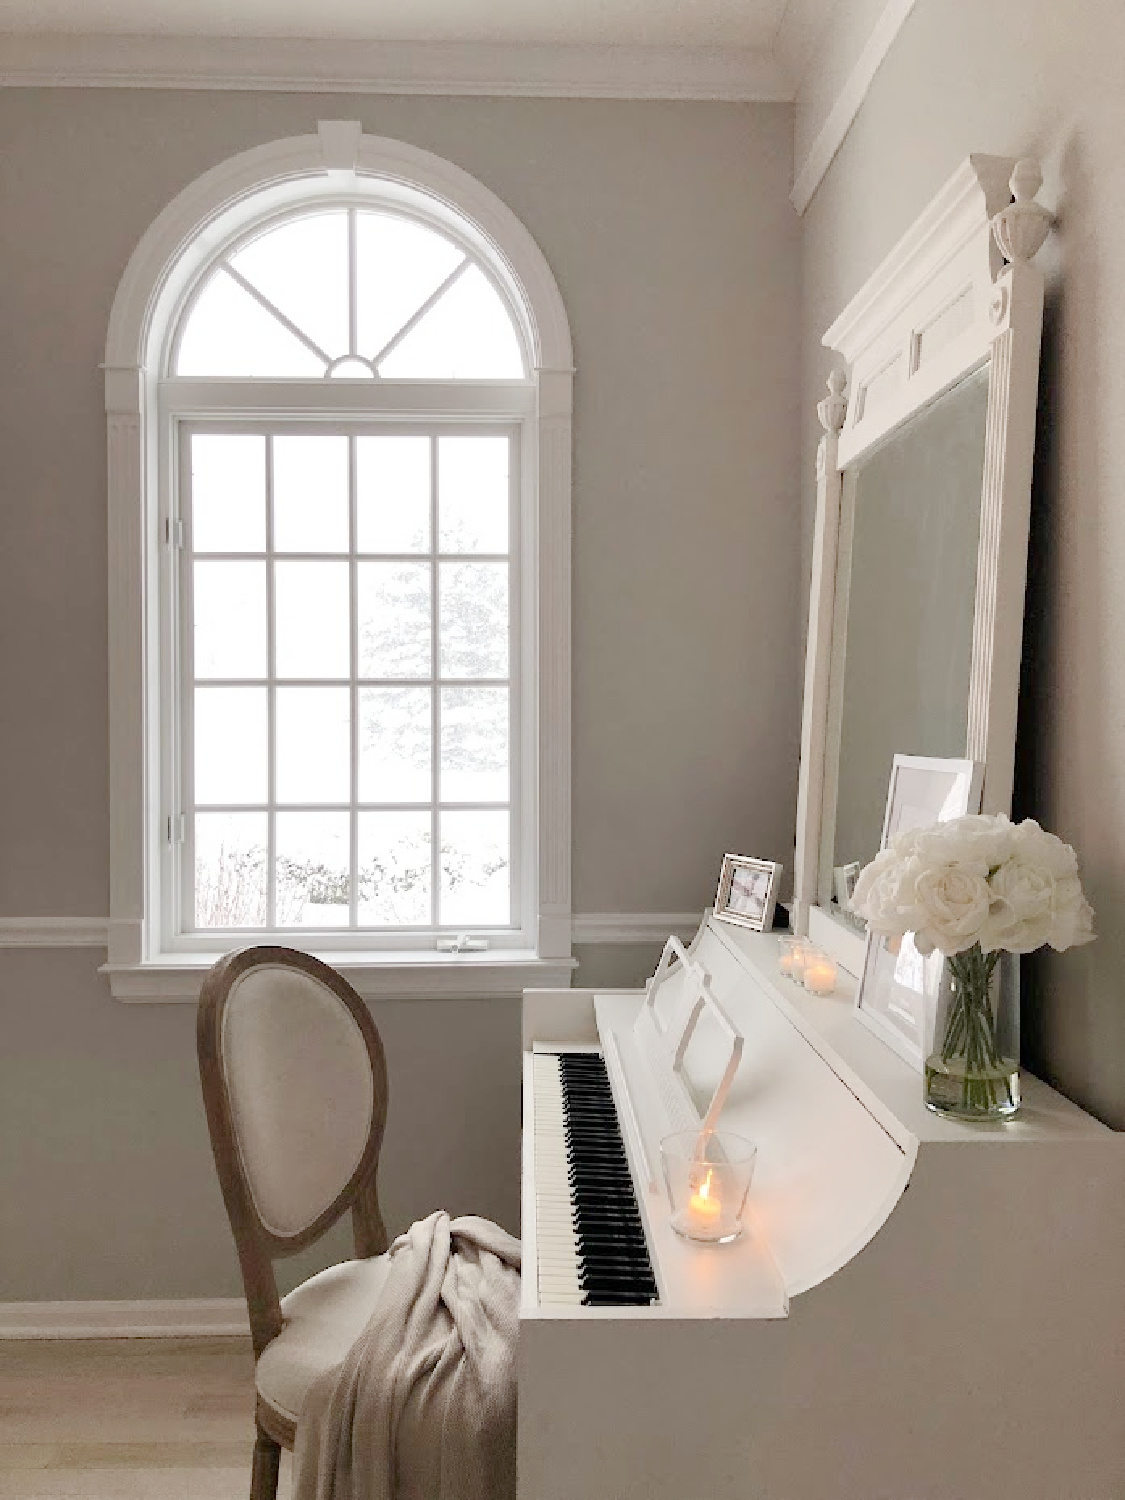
(903, 627)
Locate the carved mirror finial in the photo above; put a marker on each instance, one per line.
(1021, 228)
(831, 411)
(834, 408)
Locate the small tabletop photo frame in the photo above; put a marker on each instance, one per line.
(747, 892)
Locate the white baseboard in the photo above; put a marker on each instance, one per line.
(186, 1317)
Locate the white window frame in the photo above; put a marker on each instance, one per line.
(144, 405)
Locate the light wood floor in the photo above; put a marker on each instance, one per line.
(128, 1419)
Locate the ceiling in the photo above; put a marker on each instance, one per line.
(633, 23)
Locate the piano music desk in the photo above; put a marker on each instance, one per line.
(960, 1340)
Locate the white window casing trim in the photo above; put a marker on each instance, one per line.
(167, 262)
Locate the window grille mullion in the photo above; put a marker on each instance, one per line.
(353, 287)
(181, 580)
(435, 692)
(416, 317)
(263, 301)
(353, 646)
(271, 703)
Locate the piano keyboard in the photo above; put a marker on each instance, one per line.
(591, 1242)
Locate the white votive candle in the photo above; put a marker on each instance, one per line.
(791, 957)
(820, 974)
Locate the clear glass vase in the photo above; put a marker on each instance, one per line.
(973, 1071)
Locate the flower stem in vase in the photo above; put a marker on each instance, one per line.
(968, 1076)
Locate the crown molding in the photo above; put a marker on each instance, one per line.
(838, 121)
(56, 60)
(799, 33)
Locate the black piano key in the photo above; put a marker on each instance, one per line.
(594, 1197)
(618, 1291)
(601, 1278)
(600, 1243)
(625, 1274)
(608, 1216)
(592, 1256)
(595, 1232)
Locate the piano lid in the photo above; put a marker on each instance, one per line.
(828, 1174)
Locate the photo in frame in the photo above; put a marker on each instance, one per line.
(898, 990)
(747, 892)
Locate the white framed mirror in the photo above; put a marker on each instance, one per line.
(920, 546)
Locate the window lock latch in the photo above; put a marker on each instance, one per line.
(462, 943)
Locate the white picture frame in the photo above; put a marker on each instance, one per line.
(747, 892)
(898, 990)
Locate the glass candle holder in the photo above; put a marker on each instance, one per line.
(820, 973)
(708, 1177)
(792, 953)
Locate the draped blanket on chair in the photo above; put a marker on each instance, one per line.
(424, 1405)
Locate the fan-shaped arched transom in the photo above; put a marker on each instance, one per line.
(349, 292)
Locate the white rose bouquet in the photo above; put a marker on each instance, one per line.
(972, 888)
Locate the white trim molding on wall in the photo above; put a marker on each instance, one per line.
(54, 932)
(588, 928)
(595, 928)
(846, 104)
(371, 67)
(173, 1318)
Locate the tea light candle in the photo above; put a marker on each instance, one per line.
(820, 974)
(704, 1208)
(707, 1174)
(792, 957)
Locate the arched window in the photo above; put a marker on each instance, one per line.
(348, 654)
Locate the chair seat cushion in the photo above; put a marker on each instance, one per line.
(323, 1318)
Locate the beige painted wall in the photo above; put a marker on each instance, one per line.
(1027, 77)
(669, 231)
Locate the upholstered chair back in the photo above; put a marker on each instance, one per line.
(295, 1088)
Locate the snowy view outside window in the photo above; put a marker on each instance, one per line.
(349, 662)
(346, 594)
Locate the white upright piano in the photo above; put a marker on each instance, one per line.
(919, 1309)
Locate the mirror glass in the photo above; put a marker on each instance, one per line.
(903, 624)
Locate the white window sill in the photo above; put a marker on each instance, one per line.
(388, 975)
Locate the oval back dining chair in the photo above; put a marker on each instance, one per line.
(295, 1087)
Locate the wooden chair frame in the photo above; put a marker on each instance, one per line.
(257, 1245)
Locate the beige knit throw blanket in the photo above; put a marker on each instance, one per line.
(424, 1405)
